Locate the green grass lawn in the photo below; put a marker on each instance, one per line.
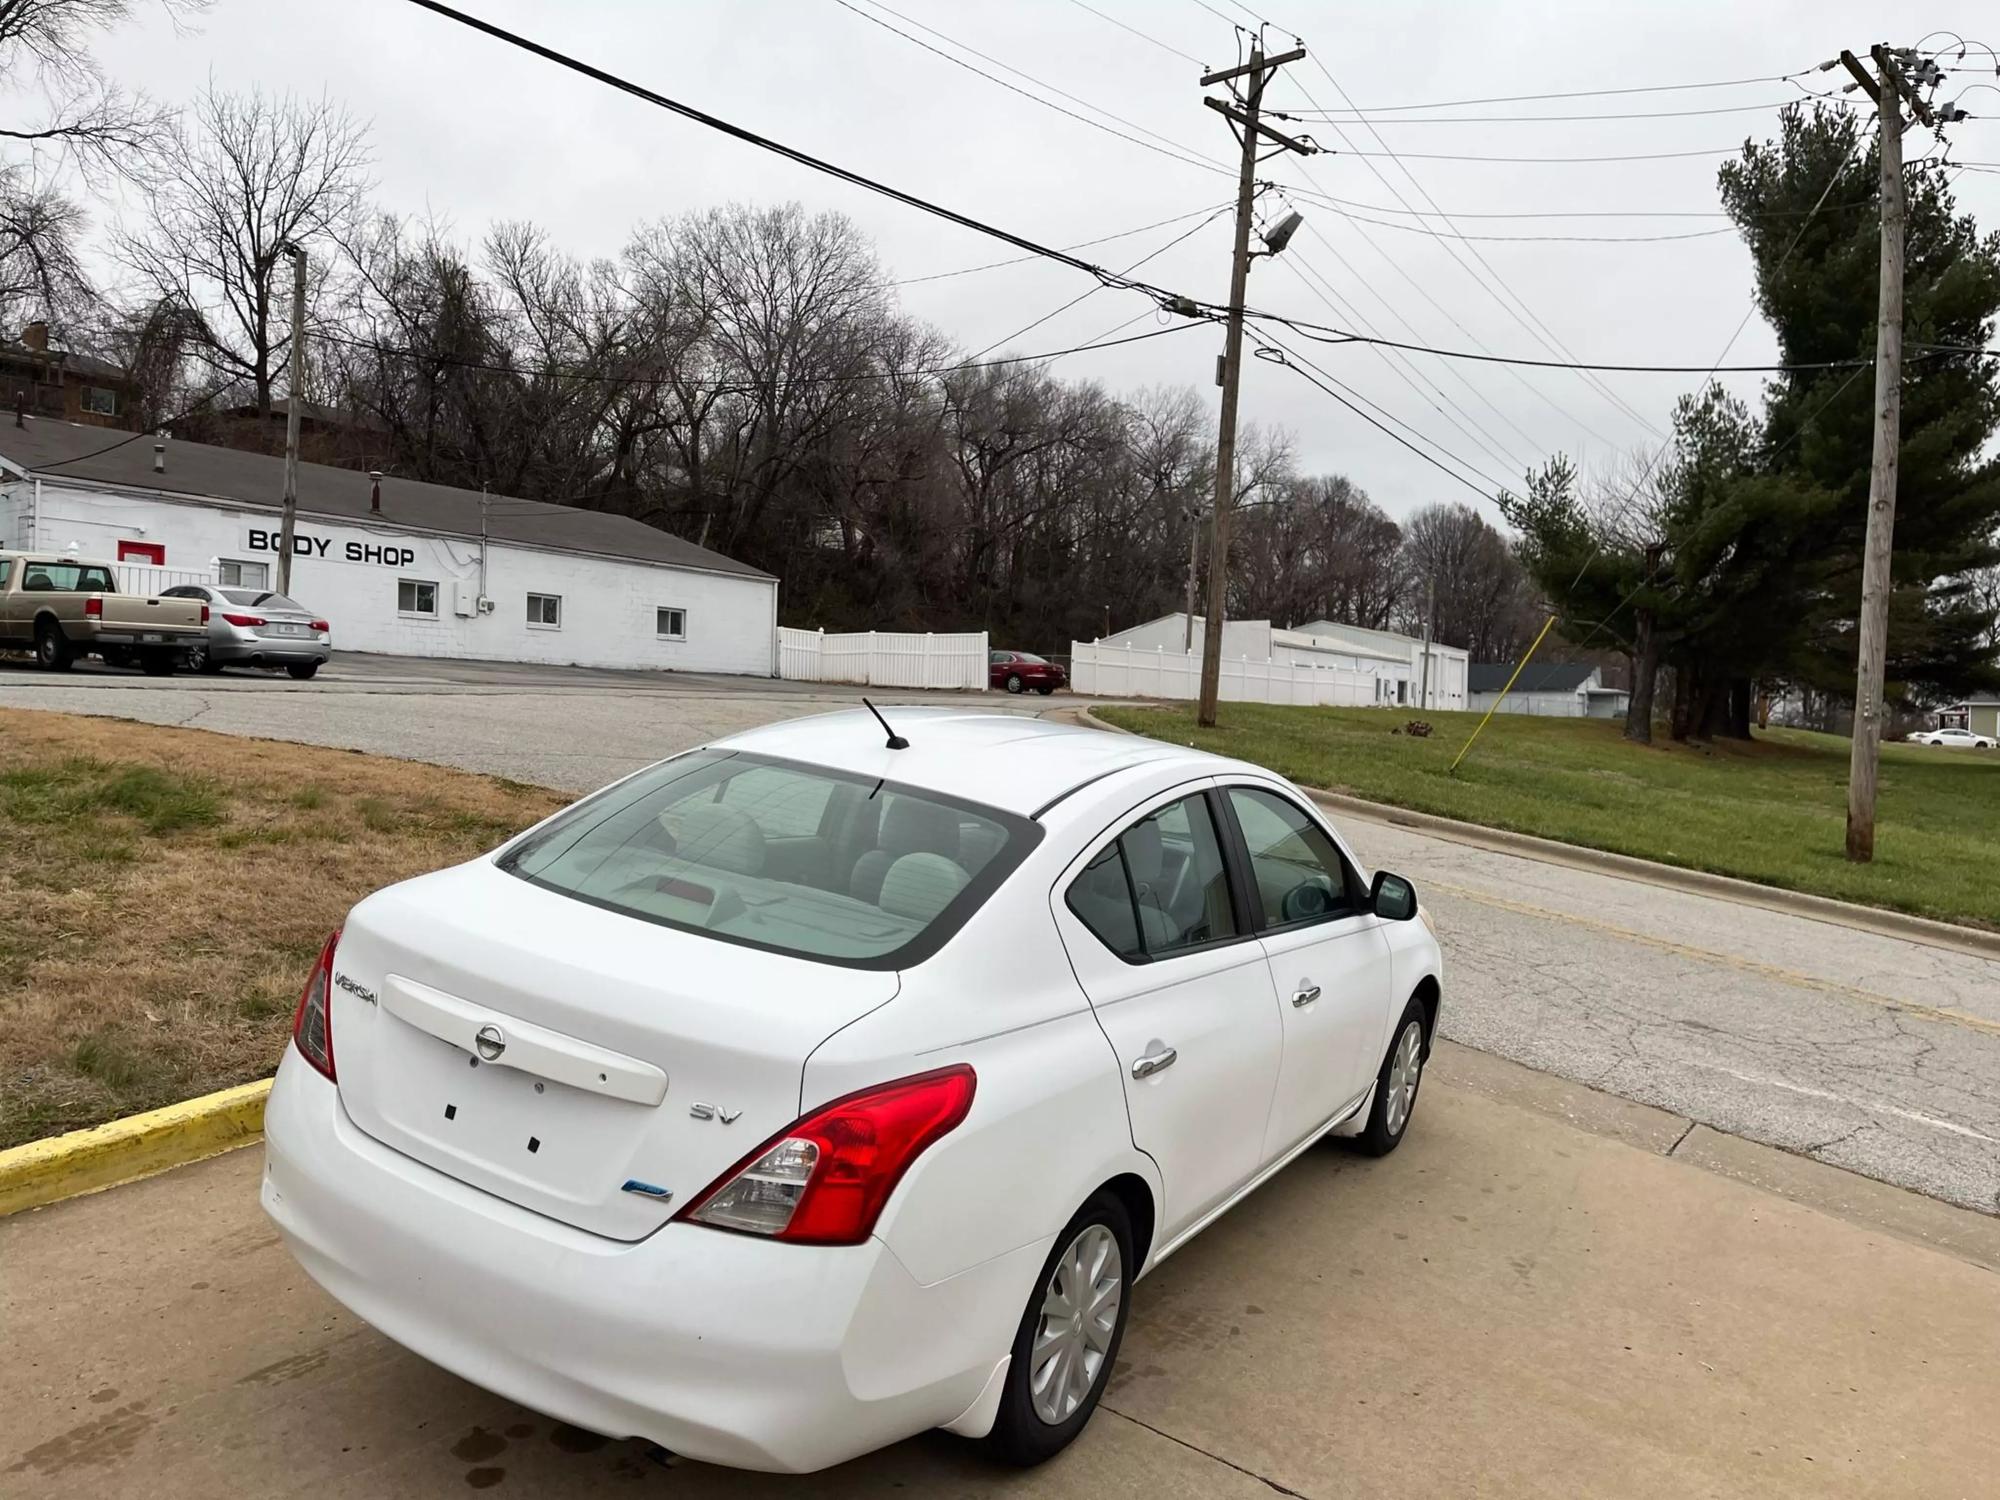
(1774, 811)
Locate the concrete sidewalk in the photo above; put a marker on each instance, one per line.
(1531, 1298)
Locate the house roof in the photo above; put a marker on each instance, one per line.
(314, 411)
(71, 360)
(1391, 643)
(1536, 677)
(71, 453)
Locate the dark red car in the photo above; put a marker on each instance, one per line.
(1017, 671)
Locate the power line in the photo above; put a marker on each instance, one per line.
(1530, 160)
(1093, 291)
(1021, 260)
(1320, 370)
(1343, 336)
(792, 153)
(627, 378)
(1533, 323)
(1144, 36)
(1656, 88)
(1398, 437)
(1406, 369)
(1354, 117)
(1170, 149)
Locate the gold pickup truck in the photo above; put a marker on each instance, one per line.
(65, 607)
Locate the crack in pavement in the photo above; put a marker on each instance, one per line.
(1197, 1448)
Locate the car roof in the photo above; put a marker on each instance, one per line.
(1010, 761)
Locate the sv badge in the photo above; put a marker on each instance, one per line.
(715, 1112)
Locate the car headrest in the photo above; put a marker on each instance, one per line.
(722, 838)
(919, 886)
(1144, 851)
(913, 826)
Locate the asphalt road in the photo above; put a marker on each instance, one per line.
(1874, 1053)
(1509, 1306)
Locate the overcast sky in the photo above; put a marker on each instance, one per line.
(473, 131)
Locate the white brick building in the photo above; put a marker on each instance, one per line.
(548, 584)
(1396, 662)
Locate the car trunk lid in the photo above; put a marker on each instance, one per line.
(582, 1063)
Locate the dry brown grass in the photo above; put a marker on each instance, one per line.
(163, 891)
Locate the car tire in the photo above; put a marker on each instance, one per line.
(53, 652)
(158, 664)
(1013, 684)
(1045, 688)
(1401, 1075)
(1032, 1426)
(303, 670)
(199, 659)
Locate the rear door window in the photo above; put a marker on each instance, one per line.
(1160, 887)
(708, 842)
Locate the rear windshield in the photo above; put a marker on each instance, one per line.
(255, 597)
(67, 578)
(780, 855)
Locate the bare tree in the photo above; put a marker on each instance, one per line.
(45, 57)
(70, 110)
(1484, 597)
(247, 177)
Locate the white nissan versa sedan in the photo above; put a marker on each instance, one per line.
(806, 1091)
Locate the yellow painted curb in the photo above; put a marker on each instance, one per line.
(87, 1161)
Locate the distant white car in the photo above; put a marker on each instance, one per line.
(807, 1091)
(1960, 739)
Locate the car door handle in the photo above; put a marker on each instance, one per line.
(1154, 1062)
(1304, 996)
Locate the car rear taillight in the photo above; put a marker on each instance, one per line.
(244, 619)
(204, 614)
(824, 1180)
(312, 1023)
(93, 607)
(321, 626)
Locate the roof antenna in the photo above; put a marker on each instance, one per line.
(896, 741)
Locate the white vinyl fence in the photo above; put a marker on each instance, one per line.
(1139, 672)
(144, 578)
(881, 658)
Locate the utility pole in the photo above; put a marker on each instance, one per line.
(1259, 71)
(1430, 615)
(294, 398)
(1889, 93)
(1194, 567)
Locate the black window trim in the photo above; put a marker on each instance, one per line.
(1240, 894)
(1240, 848)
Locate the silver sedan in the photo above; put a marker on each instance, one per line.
(257, 628)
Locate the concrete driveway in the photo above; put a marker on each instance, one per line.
(1875, 1053)
(1528, 1299)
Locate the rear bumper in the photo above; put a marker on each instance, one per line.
(720, 1346)
(282, 652)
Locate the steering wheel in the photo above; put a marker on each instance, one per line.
(1310, 898)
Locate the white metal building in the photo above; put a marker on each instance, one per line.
(1559, 690)
(412, 570)
(1394, 662)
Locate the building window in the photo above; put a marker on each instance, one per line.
(233, 573)
(100, 399)
(143, 552)
(545, 611)
(417, 596)
(670, 624)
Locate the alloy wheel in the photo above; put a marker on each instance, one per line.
(1079, 1316)
(1405, 1068)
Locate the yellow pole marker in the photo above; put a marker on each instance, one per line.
(1453, 769)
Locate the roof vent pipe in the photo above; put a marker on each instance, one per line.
(375, 492)
(159, 458)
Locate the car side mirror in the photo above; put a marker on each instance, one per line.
(1392, 897)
